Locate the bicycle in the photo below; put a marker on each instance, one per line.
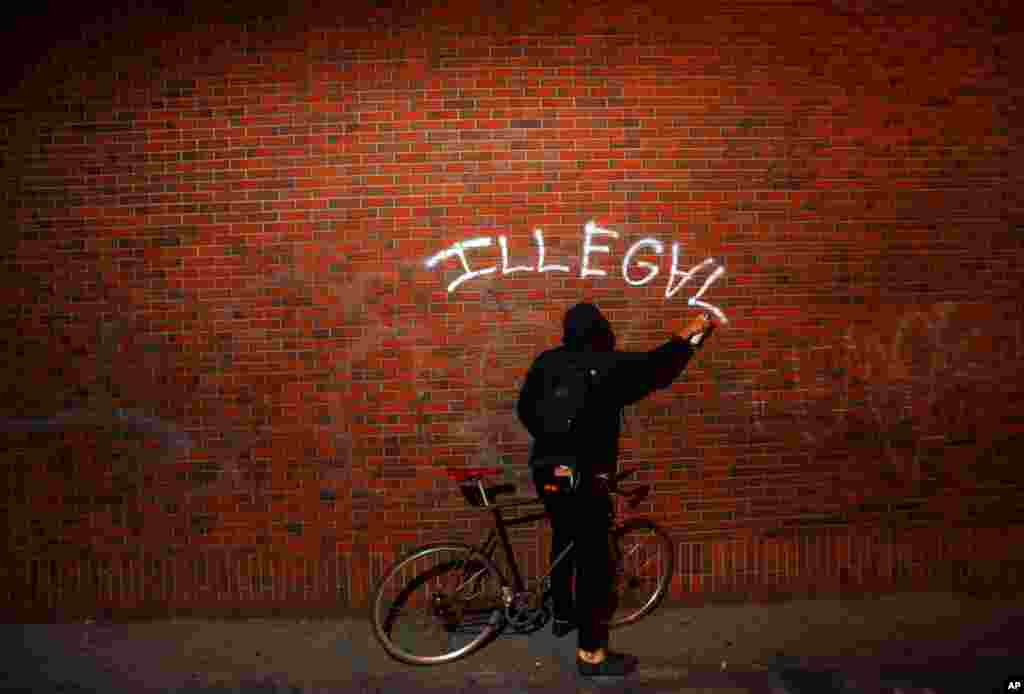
(467, 601)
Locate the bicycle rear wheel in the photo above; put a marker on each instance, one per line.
(437, 604)
(643, 559)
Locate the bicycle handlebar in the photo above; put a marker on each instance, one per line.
(613, 482)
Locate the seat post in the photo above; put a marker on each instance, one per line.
(506, 543)
(483, 492)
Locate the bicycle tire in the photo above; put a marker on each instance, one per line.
(468, 566)
(640, 531)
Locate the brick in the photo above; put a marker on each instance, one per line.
(262, 240)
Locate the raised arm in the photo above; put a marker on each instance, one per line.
(638, 374)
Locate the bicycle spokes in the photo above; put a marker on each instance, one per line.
(637, 563)
(436, 604)
(643, 567)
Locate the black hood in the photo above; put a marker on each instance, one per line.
(586, 329)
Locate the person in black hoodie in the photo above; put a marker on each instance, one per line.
(568, 467)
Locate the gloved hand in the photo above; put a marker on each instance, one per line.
(697, 329)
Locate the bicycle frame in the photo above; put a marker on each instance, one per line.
(475, 571)
(499, 534)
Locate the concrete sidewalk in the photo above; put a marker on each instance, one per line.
(897, 643)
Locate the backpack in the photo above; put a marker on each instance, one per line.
(564, 400)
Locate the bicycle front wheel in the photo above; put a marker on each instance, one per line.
(643, 558)
(437, 604)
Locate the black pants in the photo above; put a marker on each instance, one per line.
(583, 517)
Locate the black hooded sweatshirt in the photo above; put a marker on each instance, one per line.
(623, 378)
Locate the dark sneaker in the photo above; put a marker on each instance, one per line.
(561, 627)
(614, 665)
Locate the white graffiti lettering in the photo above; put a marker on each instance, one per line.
(505, 269)
(538, 236)
(589, 232)
(694, 300)
(652, 269)
(459, 248)
(673, 272)
(677, 278)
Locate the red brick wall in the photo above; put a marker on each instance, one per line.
(231, 381)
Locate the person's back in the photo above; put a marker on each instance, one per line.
(619, 378)
(566, 463)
